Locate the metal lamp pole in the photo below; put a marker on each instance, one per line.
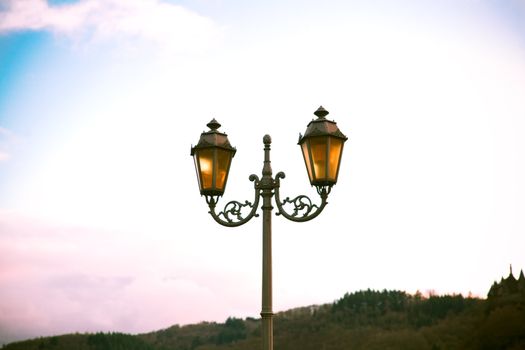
(267, 186)
(322, 147)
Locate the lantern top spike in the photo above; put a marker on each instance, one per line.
(321, 113)
(213, 124)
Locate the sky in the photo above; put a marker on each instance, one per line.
(102, 227)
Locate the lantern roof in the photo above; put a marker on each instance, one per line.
(213, 138)
(322, 127)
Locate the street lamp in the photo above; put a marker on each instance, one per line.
(322, 147)
(213, 155)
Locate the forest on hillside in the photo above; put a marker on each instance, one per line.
(361, 320)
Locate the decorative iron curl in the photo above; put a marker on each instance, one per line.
(301, 203)
(304, 209)
(231, 215)
(233, 208)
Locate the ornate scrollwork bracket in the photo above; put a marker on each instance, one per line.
(303, 208)
(232, 215)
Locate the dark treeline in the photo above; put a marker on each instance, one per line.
(97, 341)
(361, 320)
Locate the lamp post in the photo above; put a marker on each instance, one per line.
(322, 148)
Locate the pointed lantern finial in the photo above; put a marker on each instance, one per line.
(213, 124)
(321, 112)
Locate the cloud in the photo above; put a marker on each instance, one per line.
(152, 21)
(89, 288)
(57, 279)
(4, 132)
(4, 156)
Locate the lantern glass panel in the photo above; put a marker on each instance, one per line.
(334, 154)
(197, 170)
(222, 165)
(307, 160)
(205, 158)
(318, 148)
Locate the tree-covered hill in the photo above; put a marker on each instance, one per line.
(362, 320)
(97, 341)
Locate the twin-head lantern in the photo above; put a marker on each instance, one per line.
(212, 156)
(322, 146)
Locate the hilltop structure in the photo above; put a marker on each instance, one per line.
(509, 286)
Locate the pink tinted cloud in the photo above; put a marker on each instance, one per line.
(4, 156)
(56, 280)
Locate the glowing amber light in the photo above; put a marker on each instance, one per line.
(322, 146)
(334, 157)
(205, 159)
(318, 149)
(212, 157)
(306, 155)
(222, 165)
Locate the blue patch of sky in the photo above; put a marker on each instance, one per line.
(45, 89)
(61, 2)
(18, 51)
(39, 83)
(513, 15)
